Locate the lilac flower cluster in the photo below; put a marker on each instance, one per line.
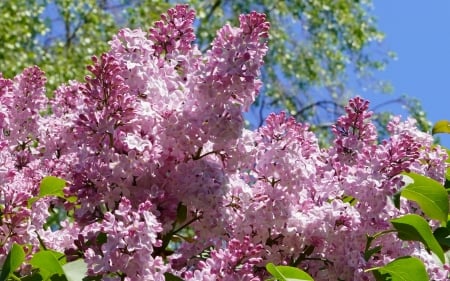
(168, 181)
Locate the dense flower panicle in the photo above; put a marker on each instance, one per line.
(399, 153)
(355, 134)
(234, 61)
(24, 100)
(168, 181)
(108, 103)
(235, 262)
(134, 50)
(130, 240)
(21, 102)
(431, 156)
(174, 32)
(20, 221)
(5, 88)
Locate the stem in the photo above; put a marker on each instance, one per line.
(41, 241)
(303, 256)
(198, 155)
(184, 225)
(383, 233)
(370, 239)
(324, 260)
(166, 239)
(14, 277)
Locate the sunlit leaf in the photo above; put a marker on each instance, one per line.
(48, 263)
(288, 273)
(441, 126)
(413, 227)
(430, 195)
(76, 270)
(52, 186)
(402, 269)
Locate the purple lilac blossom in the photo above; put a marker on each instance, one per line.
(158, 125)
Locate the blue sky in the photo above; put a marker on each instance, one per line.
(419, 33)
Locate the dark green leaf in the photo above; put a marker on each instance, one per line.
(34, 277)
(15, 258)
(442, 235)
(430, 195)
(396, 200)
(413, 227)
(447, 182)
(170, 277)
(181, 213)
(369, 253)
(102, 238)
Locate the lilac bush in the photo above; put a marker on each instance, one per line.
(164, 180)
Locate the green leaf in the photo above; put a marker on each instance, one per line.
(369, 253)
(288, 273)
(181, 213)
(102, 238)
(170, 277)
(442, 235)
(430, 195)
(349, 199)
(447, 182)
(52, 186)
(447, 171)
(441, 126)
(396, 199)
(35, 276)
(48, 263)
(402, 269)
(75, 271)
(413, 227)
(381, 277)
(15, 258)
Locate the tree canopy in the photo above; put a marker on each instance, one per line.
(318, 49)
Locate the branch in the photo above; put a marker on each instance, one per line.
(316, 104)
(398, 100)
(213, 8)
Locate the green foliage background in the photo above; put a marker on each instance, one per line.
(316, 46)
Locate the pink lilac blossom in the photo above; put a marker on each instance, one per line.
(157, 128)
(130, 240)
(21, 101)
(235, 262)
